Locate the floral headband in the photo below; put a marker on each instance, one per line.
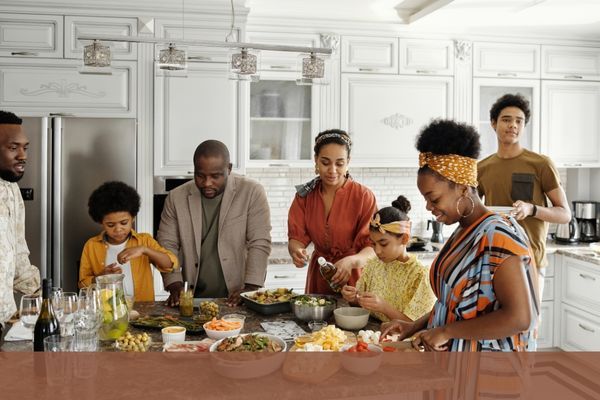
(335, 135)
(458, 169)
(397, 227)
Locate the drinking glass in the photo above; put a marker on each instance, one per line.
(30, 310)
(57, 302)
(87, 320)
(70, 306)
(58, 343)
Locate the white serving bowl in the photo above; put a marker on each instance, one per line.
(351, 318)
(218, 335)
(362, 363)
(172, 334)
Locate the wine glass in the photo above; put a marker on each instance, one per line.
(30, 310)
(57, 302)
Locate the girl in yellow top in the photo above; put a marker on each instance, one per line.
(395, 285)
(118, 249)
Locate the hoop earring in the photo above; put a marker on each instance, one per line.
(458, 209)
(316, 170)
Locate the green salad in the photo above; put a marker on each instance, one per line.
(312, 301)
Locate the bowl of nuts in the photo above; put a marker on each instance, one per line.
(139, 342)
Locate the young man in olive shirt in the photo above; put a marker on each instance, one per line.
(517, 177)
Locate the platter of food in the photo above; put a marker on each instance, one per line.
(201, 346)
(268, 301)
(329, 339)
(192, 325)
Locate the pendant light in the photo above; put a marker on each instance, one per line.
(172, 60)
(313, 70)
(96, 59)
(243, 65)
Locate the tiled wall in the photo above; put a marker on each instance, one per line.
(386, 183)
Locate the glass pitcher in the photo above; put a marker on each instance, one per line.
(115, 315)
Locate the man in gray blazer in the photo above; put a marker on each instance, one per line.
(219, 227)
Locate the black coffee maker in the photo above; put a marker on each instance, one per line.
(437, 236)
(585, 212)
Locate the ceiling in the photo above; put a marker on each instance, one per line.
(565, 19)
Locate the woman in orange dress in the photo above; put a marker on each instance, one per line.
(333, 212)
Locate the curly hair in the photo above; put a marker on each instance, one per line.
(6, 117)
(510, 100)
(397, 212)
(333, 136)
(113, 197)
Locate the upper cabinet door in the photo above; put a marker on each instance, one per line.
(194, 30)
(75, 26)
(571, 123)
(384, 114)
(485, 93)
(572, 63)
(282, 60)
(31, 35)
(506, 60)
(190, 110)
(370, 55)
(426, 57)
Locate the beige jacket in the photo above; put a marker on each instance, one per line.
(244, 232)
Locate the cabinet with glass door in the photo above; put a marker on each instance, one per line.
(485, 93)
(283, 120)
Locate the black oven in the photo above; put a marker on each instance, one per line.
(162, 186)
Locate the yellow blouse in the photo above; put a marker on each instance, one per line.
(404, 285)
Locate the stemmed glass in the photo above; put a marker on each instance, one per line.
(30, 310)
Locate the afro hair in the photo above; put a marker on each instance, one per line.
(449, 137)
(113, 197)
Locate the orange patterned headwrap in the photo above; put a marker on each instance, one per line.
(458, 169)
(397, 227)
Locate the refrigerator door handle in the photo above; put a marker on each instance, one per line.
(56, 200)
(44, 203)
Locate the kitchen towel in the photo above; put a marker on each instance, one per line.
(18, 332)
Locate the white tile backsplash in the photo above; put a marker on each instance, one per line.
(386, 183)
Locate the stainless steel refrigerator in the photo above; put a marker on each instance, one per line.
(67, 159)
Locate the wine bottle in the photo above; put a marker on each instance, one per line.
(47, 323)
(327, 270)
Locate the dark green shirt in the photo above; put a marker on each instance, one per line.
(211, 282)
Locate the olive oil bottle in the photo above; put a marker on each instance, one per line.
(47, 323)
(327, 270)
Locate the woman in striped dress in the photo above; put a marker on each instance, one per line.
(483, 277)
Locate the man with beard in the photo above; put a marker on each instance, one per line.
(218, 225)
(16, 272)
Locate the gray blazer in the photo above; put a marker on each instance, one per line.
(244, 241)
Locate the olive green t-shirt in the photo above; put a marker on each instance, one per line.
(211, 282)
(527, 177)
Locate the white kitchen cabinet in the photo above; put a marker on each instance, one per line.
(282, 60)
(581, 284)
(545, 337)
(384, 114)
(286, 276)
(426, 57)
(82, 25)
(571, 123)
(190, 110)
(580, 331)
(570, 63)
(485, 93)
(31, 35)
(42, 86)
(284, 118)
(194, 30)
(506, 60)
(376, 55)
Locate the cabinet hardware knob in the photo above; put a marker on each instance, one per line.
(572, 164)
(191, 172)
(573, 77)
(507, 74)
(585, 276)
(279, 165)
(282, 276)
(424, 71)
(585, 328)
(23, 53)
(281, 67)
(367, 69)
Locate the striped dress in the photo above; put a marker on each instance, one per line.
(462, 276)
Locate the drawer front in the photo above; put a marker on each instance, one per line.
(75, 26)
(47, 86)
(282, 60)
(579, 330)
(31, 35)
(545, 329)
(581, 284)
(426, 57)
(571, 63)
(370, 55)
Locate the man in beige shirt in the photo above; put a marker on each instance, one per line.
(16, 272)
(219, 227)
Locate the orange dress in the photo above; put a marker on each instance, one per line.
(343, 233)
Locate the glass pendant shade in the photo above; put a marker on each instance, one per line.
(172, 59)
(313, 70)
(96, 59)
(244, 65)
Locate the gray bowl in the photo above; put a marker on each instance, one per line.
(312, 313)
